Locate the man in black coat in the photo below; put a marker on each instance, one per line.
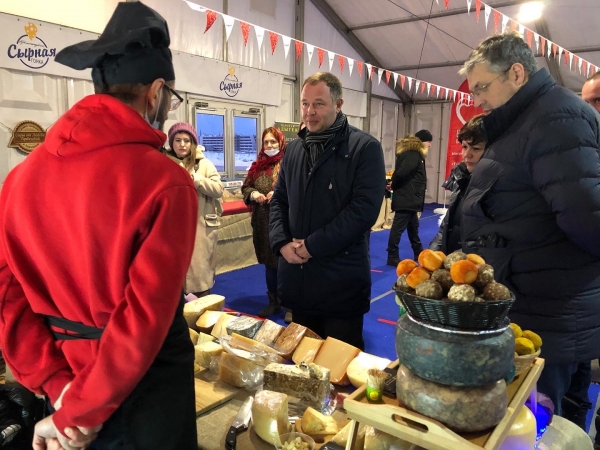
(408, 186)
(327, 198)
(532, 209)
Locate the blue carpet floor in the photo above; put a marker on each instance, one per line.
(245, 291)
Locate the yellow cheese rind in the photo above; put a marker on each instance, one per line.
(238, 371)
(315, 423)
(194, 309)
(359, 366)
(342, 437)
(270, 416)
(220, 328)
(336, 355)
(206, 352)
(207, 320)
(307, 350)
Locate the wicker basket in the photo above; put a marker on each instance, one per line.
(524, 362)
(486, 315)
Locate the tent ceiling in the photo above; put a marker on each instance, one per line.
(422, 39)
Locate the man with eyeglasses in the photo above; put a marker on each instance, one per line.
(532, 209)
(96, 234)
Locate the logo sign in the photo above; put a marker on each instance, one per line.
(30, 49)
(289, 130)
(231, 85)
(27, 135)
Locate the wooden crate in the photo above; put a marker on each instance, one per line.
(418, 429)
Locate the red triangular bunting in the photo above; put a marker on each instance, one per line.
(245, 31)
(211, 16)
(342, 61)
(359, 66)
(576, 61)
(402, 80)
(513, 25)
(477, 9)
(554, 49)
(422, 87)
(442, 92)
(447, 2)
(497, 16)
(432, 89)
(584, 67)
(543, 39)
(299, 46)
(321, 53)
(372, 72)
(388, 74)
(529, 35)
(567, 53)
(273, 37)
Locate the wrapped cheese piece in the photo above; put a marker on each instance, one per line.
(378, 440)
(244, 326)
(269, 332)
(206, 352)
(287, 342)
(207, 320)
(239, 371)
(359, 366)
(220, 327)
(193, 336)
(342, 437)
(308, 382)
(336, 355)
(270, 416)
(462, 409)
(315, 423)
(194, 309)
(307, 350)
(250, 345)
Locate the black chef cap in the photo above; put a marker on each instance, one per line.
(133, 48)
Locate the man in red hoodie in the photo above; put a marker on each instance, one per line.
(96, 233)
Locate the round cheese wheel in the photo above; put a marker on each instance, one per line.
(454, 359)
(522, 433)
(462, 409)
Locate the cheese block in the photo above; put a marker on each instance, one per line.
(287, 341)
(206, 352)
(336, 356)
(244, 326)
(315, 423)
(257, 348)
(220, 328)
(207, 320)
(454, 359)
(359, 366)
(307, 350)
(193, 336)
(270, 416)
(239, 371)
(308, 382)
(341, 437)
(378, 440)
(462, 409)
(269, 332)
(203, 337)
(194, 309)
(522, 434)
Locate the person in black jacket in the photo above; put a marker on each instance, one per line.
(532, 209)
(472, 139)
(327, 197)
(408, 185)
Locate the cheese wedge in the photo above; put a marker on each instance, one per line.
(307, 350)
(270, 416)
(359, 366)
(287, 341)
(269, 332)
(336, 356)
(220, 327)
(206, 352)
(342, 437)
(193, 336)
(238, 371)
(316, 424)
(257, 348)
(244, 326)
(194, 309)
(207, 320)
(308, 382)
(203, 337)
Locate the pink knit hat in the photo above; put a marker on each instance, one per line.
(182, 127)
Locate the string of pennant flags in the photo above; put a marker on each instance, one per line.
(430, 89)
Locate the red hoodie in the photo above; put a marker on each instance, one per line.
(98, 227)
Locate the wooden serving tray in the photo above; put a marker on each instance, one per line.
(418, 429)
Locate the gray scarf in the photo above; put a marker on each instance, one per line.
(316, 143)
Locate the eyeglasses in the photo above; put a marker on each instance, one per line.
(478, 90)
(178, 100)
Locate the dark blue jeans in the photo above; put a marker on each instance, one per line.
(271, 278)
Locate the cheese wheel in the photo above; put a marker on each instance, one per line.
(522, 433)
(336, 356)
(307, 350)
(194, 309)
(317, 424)
(359, 366)
(206, 352)
(270, 416)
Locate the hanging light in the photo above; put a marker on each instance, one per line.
(530, 11)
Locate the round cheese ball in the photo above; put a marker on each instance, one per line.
(485, 275)
(417, 276)
(429, 289)
(453, 257)
(461, 293)
(402, 285)
(496, 291)
(442, 276)
(430, 260)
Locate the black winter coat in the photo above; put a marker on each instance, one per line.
(333, 208)
(458, 182)
(537, 187)
(409, 181)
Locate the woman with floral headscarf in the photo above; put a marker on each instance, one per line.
(258, 190)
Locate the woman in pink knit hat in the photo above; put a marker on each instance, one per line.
(184, 149)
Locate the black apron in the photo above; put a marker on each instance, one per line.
(160, 413)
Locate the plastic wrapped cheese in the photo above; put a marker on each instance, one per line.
(206, 352)
(257, 348)
(378, 440)
(359, 366)
(238, 371)
(315, 423)
(287, 341)
(194, 309)
(336, 355)
(270, 416)
(269, 332)
(307, 350)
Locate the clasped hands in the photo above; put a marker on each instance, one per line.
(261, 198)
(47, 437)
(295, 252)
